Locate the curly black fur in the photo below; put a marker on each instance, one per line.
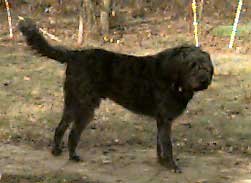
(159, 86)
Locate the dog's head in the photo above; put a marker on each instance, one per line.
(198, 70)
(190, 68)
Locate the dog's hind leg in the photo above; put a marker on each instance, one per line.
(84, 116)
(67, 117)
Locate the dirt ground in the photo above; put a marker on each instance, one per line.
(136, 165)
(211, 139)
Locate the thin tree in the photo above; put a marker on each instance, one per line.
(81, 23)
(104, 16)
(60, 2)
(9, 18)
(87, 14)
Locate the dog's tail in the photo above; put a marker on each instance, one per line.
(37, 42)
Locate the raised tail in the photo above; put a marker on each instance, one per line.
(37, 42)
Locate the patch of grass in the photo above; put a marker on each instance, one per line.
(30, 89)
(223, 118)
(226, 30)
(48, 178)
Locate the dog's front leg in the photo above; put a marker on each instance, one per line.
(164, 144)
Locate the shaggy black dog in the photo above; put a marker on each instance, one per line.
(159, 86)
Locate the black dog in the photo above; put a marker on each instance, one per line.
(158, 85)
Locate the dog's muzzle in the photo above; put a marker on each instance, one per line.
(203, 82)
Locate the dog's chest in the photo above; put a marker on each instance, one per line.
(136, 97)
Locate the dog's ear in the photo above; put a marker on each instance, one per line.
(170, 68)
(175, 63)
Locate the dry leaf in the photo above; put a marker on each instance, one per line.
(27, 78)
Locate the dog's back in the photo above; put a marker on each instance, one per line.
(122, 78)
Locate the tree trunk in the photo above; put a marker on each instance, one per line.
(60, 2)
(90, 26)
(200, 17)
(139, 4)
(87, 13)
(104, 16)
(201, 10)
(139, 10)
(81, 23)
(190, 16)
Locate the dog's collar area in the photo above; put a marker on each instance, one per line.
(177, 88)
(180, 92)
(180, 89)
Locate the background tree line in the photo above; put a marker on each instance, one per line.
(98, 16)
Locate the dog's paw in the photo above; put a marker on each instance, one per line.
(177, 169)
(170, 165)
(75, 158)
(56, 151)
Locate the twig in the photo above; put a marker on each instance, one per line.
(50, 35)
(9, 18)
